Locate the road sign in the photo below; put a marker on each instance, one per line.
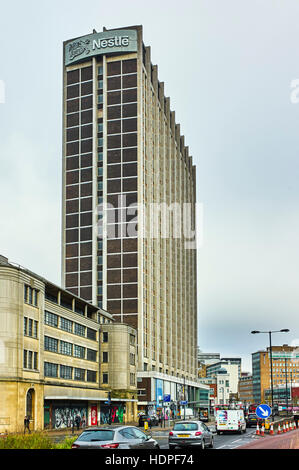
(263, 411)
(184, 402)
(166, 398)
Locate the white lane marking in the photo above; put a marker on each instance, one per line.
(221, 447)
(236, 441)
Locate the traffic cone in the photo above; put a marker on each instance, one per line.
(287, 426)
(295, 427)
(291, 426)
(279, 430)
(284, 427)
(257, 430)
(271, 429)
(263, 431)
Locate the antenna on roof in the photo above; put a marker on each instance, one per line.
(94, 31)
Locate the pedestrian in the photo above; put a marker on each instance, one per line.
(26, 424)
(78, 419)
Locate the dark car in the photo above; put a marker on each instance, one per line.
(152, 420)
(252, 420)
(114, 437)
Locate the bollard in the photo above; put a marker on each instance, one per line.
(271, 429)
(257, 430)
(145, 425)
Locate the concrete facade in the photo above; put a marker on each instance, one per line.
(50, 355)
(124, 162)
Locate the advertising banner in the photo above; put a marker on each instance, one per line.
(108, 42)
(94, 415)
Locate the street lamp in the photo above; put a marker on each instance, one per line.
(254, 332)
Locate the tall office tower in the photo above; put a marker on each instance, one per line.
(122, 148)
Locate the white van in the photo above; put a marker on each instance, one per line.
(187, 414)
(230, 420)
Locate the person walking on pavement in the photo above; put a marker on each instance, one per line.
(77, 420)
(27, 424)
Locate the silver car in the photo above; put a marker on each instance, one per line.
(190, 433)
(114, 437)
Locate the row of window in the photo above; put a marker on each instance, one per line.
(69, 373)
(69, 349)
(54, 320)
(30, 295)
(30, 360)
(30, 327)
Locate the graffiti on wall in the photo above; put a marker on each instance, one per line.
(117, 414)
(64, 416)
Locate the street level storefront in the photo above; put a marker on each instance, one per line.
(170, 397)
(60, 414)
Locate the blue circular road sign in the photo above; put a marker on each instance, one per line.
(263, 411)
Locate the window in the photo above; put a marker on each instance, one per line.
(66, 372)
(132, 379)
(35, 329)
(51, 319)
(91, 355)
(66, 348)
(132, 359)
(105, 356)
(91, 334)
(30, 324)
(30, 295)
(79, 351)
(132, 340)
(66, 325)
(91, 376)
(25, 325)
(105, 337)
(25, 359)
(50, 370)
(35, 366)
(79, 374)
(105, 378)
(79, 329)
(128, 433)
(51, 344)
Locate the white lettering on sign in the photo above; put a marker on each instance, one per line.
(110, 42)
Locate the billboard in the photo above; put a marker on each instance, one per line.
(107, 42)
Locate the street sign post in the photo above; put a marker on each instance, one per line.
(263, 411)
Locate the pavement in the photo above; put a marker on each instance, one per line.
(290, 440)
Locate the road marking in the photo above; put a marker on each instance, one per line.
(237, 440)
(220, 447)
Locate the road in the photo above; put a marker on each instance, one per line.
(222, 441)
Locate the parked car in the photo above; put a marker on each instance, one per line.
(114, 437)
(152, 420)
(190, 433)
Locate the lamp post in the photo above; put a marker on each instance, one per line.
(286, 376)
(285, 330)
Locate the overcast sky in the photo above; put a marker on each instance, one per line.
(227, 66)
